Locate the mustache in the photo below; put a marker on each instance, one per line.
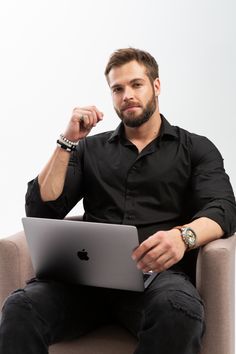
(129, 105)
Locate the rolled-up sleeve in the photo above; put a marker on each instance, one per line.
(213, 196)
(59, 208)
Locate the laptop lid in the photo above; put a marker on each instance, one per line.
(85, 253)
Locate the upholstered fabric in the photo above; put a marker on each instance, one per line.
(15, 264)
(105, 340)
(216, 284)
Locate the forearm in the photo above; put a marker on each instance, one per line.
(206, 230)
(166, 248)
(52, 178)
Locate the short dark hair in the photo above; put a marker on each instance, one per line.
(125, 55)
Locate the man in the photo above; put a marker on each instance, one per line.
(168, 182)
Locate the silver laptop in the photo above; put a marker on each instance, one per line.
(93, 254)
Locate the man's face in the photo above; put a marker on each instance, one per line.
(134, 96)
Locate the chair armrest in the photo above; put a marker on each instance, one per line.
(15, 264)
(216, 284)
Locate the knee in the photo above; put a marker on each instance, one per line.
(191, 306)
(177, 309)
(16, 308)
(174, 317)
(17, 298)
(187, 314)
(20, 325)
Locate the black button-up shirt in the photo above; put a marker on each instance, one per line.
(176, 178)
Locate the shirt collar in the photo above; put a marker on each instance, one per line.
(166, 129)
(116, 133)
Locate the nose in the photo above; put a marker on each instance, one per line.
(128, 94)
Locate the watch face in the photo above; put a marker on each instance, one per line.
(189, 236)
(191, 240)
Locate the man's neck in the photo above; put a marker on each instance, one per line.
(143, 135)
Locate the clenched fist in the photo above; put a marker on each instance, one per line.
(83, 119)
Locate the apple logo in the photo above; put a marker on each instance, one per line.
(83, 255)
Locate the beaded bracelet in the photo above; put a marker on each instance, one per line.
(66, 147)
(67, 141)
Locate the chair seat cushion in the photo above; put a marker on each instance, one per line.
(110, 339)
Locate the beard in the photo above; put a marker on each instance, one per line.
(133, 121)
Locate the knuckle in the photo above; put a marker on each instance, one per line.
(174, 252)
(144, 247)
(159, 263)
(175, 257)
(152, 255)
(149, 258)
(160, 268)
(141, 264)
(76, 110)
(161, 235)
(168, 244)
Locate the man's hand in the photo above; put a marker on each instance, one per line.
(160, 251)
(82, 121)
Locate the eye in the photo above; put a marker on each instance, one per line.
(117, 89)
(137, 85)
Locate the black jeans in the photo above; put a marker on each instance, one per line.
(168, 318)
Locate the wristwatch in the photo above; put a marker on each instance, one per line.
(188, 235)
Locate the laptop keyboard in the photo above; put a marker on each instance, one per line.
(146, 276)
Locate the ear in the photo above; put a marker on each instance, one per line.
(157, 87)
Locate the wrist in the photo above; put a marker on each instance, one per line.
(66, 144)
(69, 137)
(188, 236)
(177, 233)
(66, 140)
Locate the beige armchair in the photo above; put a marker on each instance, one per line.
(215, 281)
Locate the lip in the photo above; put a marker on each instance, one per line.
(130, 108)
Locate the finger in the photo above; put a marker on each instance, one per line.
(80, 114)
(96, 111)
(150, 258)
(94, 117)
(91, 116)
(164, 262)
(145, 247)
(169, 264)
(160, 264)
(85, 117)
(85, 121)
(148, 268)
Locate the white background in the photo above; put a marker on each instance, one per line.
(52, 58)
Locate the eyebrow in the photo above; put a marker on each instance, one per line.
(130, 82)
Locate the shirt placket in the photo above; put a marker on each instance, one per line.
(133, 177)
